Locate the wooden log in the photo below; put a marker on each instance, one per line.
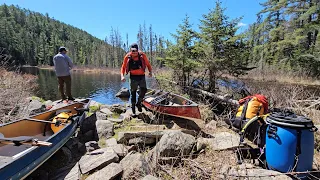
(214, 96)
(209, 94)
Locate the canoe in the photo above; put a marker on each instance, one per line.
(171, 104)
(27, 143)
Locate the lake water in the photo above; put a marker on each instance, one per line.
(101, 87)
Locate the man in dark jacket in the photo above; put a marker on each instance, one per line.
(63, 65)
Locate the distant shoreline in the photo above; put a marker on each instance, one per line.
(88, 69)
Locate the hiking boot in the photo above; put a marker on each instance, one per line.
(139, 106)
(133, 115)
(71, 99)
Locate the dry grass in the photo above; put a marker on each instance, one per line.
(273, 73)
(208, 165)
(15, 89)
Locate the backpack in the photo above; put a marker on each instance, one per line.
(250, 107)
(138, 64)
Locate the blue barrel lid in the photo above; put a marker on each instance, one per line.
(288, 118)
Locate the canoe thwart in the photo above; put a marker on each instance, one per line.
(50, 122)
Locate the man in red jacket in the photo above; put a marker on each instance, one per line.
(135, 63)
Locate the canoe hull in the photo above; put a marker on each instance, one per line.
(179, 111)
(24, 163)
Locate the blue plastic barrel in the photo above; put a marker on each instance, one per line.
(289, 143)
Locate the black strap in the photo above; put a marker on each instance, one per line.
(298, 148)
(258, 113)
(244, 112)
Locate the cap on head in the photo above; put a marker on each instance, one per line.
(134, 45)
(62, 49)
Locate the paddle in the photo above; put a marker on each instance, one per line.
(19, 140)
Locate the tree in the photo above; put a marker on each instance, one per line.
(180, 55)
(219, 45)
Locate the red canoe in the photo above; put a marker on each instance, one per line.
(171, 104)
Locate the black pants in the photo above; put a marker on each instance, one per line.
(135, 83)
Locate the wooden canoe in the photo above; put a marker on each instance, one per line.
(27, 143)
(171, 104)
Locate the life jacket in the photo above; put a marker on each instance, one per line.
(63, 117)
(135, 64)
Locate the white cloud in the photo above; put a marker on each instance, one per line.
(241, 24)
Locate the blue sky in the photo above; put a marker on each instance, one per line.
(97, 16)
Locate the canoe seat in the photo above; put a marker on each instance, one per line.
(159, 99)
(149, 99)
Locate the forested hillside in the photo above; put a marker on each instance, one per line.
(286, 34)
(32, 38)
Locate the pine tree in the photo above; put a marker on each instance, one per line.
(219, 45)
(180, 55)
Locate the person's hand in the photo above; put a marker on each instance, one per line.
(123, 79)
(150, 74)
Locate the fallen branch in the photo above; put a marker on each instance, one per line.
(195, 164)
(271, 175)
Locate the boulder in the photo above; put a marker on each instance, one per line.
(109, 172)
(120, 149)
(101, 116)
(175, 143)
(142, 141)
(111, 142)
(147, 117)
(117, 108)
(105, 106)
(123, 93)
(134, 166)
(74, 173)
(150, 177)
(94, 103)
(91, 146)
(253, 173)
(212, 125)
(97, 159)
(89, 123)
(221, 141)
(125, 136)
(89, 136)
(106, 111)
(104, 128)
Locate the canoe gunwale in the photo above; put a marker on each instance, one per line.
(193, 104)
(58, 143)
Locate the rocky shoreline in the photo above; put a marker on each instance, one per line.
(112, 145)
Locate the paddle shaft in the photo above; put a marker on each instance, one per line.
(50, 122)
(33, 143)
